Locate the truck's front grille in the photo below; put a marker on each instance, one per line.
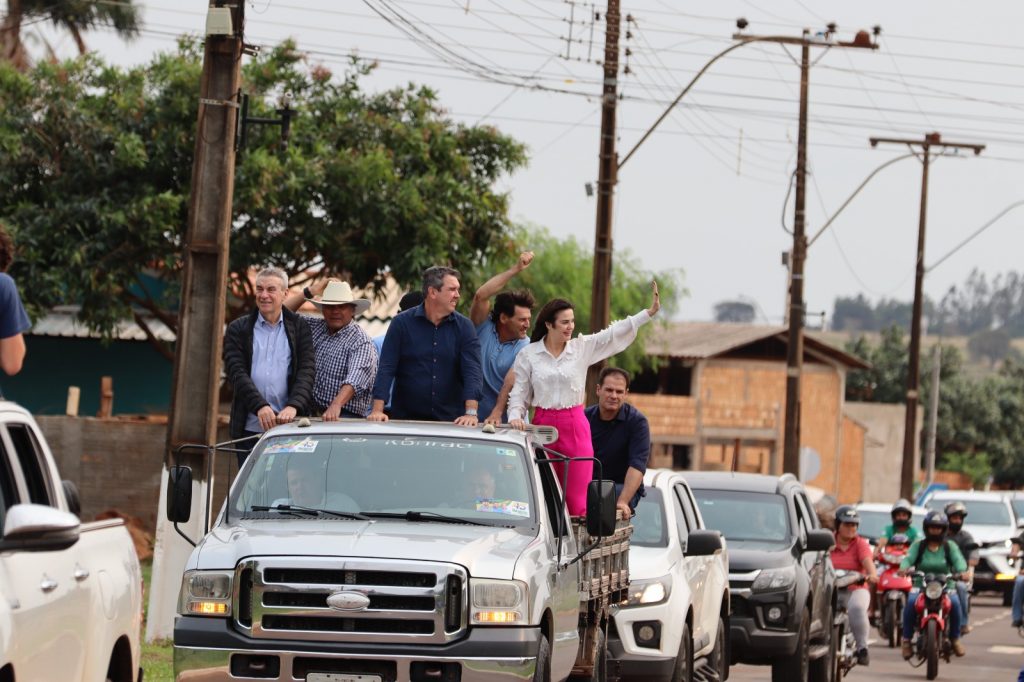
(287, 598)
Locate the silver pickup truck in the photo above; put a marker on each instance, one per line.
(363, 552)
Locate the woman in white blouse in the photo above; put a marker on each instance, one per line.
(551, 376)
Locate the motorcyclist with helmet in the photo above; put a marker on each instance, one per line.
(853, 553)
(956, 512)
(933, 554)
(901, 514)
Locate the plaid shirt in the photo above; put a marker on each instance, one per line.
(346, 357)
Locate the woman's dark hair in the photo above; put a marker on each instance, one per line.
(547, 315)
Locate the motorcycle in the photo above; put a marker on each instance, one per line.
(931, 636)
(846, 644)
(891, 594)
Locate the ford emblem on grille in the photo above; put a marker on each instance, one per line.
(348, 601)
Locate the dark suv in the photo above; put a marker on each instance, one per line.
(780, 572)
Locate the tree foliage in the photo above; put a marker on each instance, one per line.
(96, 163)
(563, 268)
(980, 423)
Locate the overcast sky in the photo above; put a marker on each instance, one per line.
(706, 192)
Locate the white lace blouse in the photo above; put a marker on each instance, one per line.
(542, 380)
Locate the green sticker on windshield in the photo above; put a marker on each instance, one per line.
(304, 445)
(506, 452)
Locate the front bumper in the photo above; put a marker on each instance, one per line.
(204, 649)
(634, 662)
(994, 572)
(750, 638)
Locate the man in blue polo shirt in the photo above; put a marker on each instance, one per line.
(503, 332)
(432, 354)
(621, 437)
(14, 320)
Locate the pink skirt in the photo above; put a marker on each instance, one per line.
(573, 441)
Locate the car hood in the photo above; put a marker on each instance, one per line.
(746, 555)
(649, 562)
(983, 534)
(484, 551)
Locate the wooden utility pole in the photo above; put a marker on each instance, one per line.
(914, 366)
(600, 299)
(933, 416)
(197, 364)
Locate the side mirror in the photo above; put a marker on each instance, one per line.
(1020, 525)
(39, 528)
(703, 543)
(179, 494)
(819, 541)
(601, 508)
(74, 500)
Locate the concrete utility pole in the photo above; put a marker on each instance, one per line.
(914, 366)
(600, 299)
(197, 363)
(933, 417)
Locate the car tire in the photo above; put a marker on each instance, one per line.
(822, 669)
(683, 671)
(718, 661)
(794, 668)
(542, 673)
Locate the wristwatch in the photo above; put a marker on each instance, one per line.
(307, 293)
(471, 412)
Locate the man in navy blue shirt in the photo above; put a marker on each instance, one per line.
(621, 437)
(14, 320)
(433, 355)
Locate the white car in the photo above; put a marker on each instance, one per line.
(677, 614)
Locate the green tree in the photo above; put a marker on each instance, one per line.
(74, 16)
(562, 268)
(96, 164)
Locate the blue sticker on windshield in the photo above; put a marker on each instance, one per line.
(512, 507)
(304, 445)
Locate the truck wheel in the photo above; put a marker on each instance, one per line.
(542, 673)
(793, 668)
(683, 671)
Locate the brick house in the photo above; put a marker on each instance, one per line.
(717, 402)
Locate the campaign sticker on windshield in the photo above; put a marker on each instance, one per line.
(511, 507)
(507, 452)
(286, 445)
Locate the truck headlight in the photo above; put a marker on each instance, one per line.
(205, 593)
(647, 592)
(774, 579)
(498, 602)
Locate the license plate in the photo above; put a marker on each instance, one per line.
(342, 677)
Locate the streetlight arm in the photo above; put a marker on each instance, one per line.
(855, 193)
(975, 234)
(743, 41)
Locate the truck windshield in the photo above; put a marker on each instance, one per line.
(649, 522)
(475, 480)
(759, 517)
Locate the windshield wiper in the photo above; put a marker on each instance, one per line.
(413, 515)
(299, 510)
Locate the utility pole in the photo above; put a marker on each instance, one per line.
(798, 255)
(607, 172)
(914, 366)
(197, 364)
(933, 416)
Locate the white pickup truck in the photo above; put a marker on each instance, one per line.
(71, 593)
(360, 552)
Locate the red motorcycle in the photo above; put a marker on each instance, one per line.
(931, 637)
(891, 593)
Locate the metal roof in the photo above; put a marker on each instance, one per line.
(702, 340)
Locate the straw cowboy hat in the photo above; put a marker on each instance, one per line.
(340, 293)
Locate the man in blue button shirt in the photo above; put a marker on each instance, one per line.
(621, 437)
(432, 354)
(502, 333)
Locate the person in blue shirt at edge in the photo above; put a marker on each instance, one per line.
(409, 300)
(933, 554)
(503, 332)
(14, 320)
(621, 437)
(433, 355)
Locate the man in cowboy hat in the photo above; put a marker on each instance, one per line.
(346, 360)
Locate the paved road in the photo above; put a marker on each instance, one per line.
(994, 652)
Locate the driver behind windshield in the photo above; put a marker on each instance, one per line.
(307, 486)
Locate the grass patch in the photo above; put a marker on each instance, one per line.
(157, 656)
